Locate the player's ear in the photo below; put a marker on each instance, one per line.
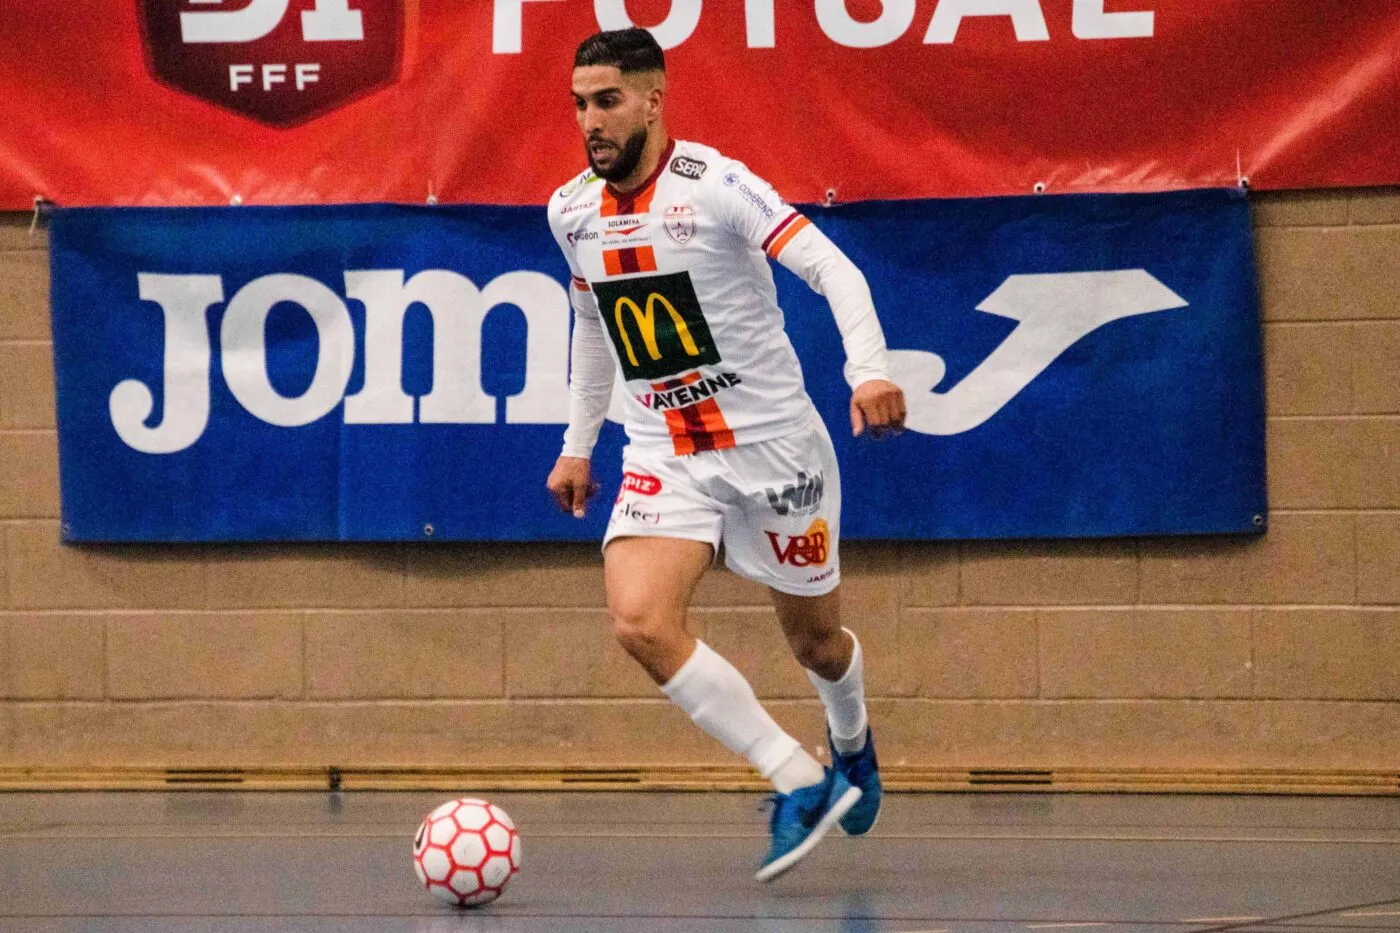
(656, 95)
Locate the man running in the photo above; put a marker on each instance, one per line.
(668, 243)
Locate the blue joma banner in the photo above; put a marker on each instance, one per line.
(1075, 366)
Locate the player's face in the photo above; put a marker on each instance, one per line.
(615, 112)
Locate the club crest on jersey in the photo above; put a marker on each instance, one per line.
(680, 223)
(688, 168)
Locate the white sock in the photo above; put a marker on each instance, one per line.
(800, 770)
(845, 702)
(719, 700)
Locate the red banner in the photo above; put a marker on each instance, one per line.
(182, 102)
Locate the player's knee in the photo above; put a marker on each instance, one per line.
(641, 629)
(824, 656)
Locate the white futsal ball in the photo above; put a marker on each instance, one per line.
(466, 852)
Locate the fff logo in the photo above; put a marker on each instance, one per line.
(280, 62)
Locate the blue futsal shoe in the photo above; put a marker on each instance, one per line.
(863, 771)
(800, 820)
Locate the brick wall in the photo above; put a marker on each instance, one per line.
(1154, 653)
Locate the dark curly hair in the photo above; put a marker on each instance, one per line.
(627, 50)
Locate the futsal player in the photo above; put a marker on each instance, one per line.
(668, 243)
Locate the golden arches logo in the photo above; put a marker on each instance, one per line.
(646, 324)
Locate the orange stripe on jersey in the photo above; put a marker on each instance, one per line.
(713, 433)
(681, 441)
(617, 205)
(581, 284)
(638, 203)
(609, 206)
(782, 225)
(669, 384)
(698, 427)
(629, 260)
(793, 229)
(642, 202)
(715, 425)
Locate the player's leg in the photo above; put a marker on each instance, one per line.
(786, 534)
(649, 583)
(834, 661)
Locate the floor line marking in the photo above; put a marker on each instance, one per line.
(1373, 913)
(1062, 926)
(1276, 921)
(205, 833)
(1221, 919)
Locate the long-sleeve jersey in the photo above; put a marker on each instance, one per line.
(672, 288)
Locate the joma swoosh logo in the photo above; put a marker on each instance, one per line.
(1055, 312)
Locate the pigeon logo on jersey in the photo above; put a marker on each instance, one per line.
(679, 224)
(801, 498)
(272, 61)
(656, 325)
(809, 549)
(688, 168)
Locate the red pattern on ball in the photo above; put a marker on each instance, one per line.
(454, 867)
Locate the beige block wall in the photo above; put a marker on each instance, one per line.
(1164, 653)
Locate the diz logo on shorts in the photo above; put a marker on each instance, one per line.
(656, 324)
(280, 62)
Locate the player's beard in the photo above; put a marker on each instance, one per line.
(627, 159)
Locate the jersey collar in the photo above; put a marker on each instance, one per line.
(639, 201)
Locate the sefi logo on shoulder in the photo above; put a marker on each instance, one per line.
(280, 62)
(688, 168)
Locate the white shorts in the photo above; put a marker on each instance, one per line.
(776, 506)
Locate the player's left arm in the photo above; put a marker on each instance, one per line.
(876, 402)
(749, 206)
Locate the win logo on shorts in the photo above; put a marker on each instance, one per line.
(656, 324)
(280, 62)
(801, 498)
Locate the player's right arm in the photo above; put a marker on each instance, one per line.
(749, 206)
(591, 374)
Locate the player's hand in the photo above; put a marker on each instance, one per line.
(571, 484)
(878, 405)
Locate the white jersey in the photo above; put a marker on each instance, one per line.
(678, 274)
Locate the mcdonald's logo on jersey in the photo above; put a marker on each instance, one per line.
(656, 324)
